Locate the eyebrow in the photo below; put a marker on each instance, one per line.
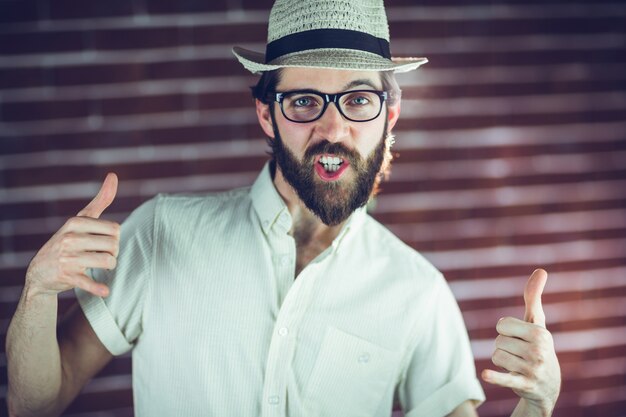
(362, 81)
(351, 84)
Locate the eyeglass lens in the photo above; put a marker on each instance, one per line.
(358, 105)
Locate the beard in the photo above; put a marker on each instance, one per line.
(333, 201)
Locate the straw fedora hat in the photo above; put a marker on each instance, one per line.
(337, 34)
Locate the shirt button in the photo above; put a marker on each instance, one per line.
(283, 331)
(266, 223)
(273, 399)
(284, 260)
(364, 357)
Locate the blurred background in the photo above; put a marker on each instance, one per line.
(511, 154)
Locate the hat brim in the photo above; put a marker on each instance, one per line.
(331, 58)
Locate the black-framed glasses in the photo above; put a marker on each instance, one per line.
(304, 106)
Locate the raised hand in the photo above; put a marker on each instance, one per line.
(84, 241)
(525, 350)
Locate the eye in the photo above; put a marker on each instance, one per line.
(304, 102)
(360, 100)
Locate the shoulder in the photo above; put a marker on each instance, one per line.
(186, 204)
(181, 215)
(410, 268)
(390, 245)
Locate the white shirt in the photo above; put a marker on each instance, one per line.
(204, 294)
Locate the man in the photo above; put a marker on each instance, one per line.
(285, 298)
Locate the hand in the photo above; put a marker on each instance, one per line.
(82, 242)
(526, 350)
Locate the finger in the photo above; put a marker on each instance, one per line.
(101, 260)
(103, 199)
(94, 243)
(86, 283)
(509, 362)
(514, 327)
(513, 345)
(509, 380)
(532, 298)
(92, 226)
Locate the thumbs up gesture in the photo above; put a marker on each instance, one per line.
(84, 241)
(525, 350)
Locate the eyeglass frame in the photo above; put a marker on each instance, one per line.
(329, 98)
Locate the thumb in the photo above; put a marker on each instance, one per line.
(532, 298)
(103, 199)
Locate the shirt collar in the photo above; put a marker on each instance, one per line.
(267, 203)
(272, 210)
(353, 223)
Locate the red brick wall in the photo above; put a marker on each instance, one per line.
(512, 153)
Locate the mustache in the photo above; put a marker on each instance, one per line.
(332, 148)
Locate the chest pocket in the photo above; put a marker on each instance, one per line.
(349, 378)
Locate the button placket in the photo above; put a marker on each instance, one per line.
(281, 346)
(297, 296)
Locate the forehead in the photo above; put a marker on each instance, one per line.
(327, 80)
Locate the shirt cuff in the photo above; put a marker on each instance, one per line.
(102, 322)
(449, 397)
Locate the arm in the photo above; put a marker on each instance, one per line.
(44, 374)
(38, 364)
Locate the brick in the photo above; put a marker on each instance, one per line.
(14, 11)
(11, 78)
(143, 104)
(97, 74)
(76, 9)
(219, 100)
(206, 35)
(158, 7)
(193, 69)
(40, 42)
(42, 110)
(140, 38)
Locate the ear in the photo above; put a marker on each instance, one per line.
(265, 119)
(393, 112)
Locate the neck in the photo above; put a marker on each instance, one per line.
(307, 228)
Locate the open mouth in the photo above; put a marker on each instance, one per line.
(330, 163)
(330, 167)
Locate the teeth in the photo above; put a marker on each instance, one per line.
(331, 167)
(331, 160)
(331, 163)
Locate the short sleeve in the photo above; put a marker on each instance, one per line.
(117, 319)
(440, 373)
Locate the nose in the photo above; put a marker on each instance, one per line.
(332, 126)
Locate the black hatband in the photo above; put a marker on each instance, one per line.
(327, 38)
